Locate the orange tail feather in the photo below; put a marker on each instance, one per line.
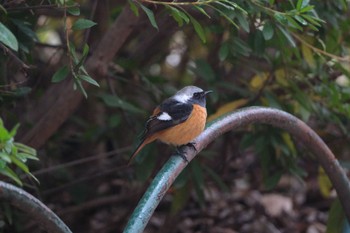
(139, 148)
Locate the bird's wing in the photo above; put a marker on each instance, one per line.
(168, 114)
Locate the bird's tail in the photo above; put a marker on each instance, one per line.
(139, 147)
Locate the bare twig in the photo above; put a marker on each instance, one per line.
(320, 51)
(233, 120)
(37, 7)
(97, 203)
(80, 161)
(13, 55)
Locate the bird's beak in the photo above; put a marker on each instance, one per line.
(207, 92)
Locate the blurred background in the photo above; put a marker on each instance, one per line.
(82, 77)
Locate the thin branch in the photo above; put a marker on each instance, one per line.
(13, 55)
(80, 161)
(97, 203)
(34, 208)
(167, 175)
(97, 174)
(37, 7)
(317, 50)
(40, 44)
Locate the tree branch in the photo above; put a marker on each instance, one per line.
(244, 117)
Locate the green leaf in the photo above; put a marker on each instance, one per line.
(60, 74)
(280, 18)
(11, 174)
(73, 53)
(150, 16)
(80, 87)
(273, 101)
(336, 218)
(184, 16)
(298, 7)
(22, 91)
(228, 18)
(287, 35)
(272, 180)
(180, 199)
(74, 10)
(302, 3)
(224, 51)
(5, 157)
(82, 24)
(178, 15)
(13, 131)
(199, 29)
(268, 30)
(198, 180)
(204, 70)
(300, 20)
(200, 9)
(24, 156)
(61, 2)
(2, 164)
(312, 20)
(243, 22)
(307, 8)
(115, 101)
(88, 79)
(146, 157)
(3, 9)
(83, 57)
(7, 38)
(216, 178)
(20, 164)
(259, 42)
(8, 146)
(4, 134)
(24, 27)
(235, 6)
(241, 47)
(293, 23)
(175, 13)
(133, 7)
(25, 149)
(114, 121)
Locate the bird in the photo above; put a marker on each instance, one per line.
(177, 120)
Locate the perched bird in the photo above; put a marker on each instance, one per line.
(177, 120)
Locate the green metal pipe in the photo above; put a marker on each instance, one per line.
(241, 118)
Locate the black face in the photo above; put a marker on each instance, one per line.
(199, 98)
(198, 95)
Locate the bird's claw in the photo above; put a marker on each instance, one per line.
(180, 150)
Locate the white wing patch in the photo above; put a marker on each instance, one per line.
(183, 98)
(164, 117)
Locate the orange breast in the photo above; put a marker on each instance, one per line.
(187, 131)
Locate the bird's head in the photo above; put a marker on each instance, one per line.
(191, 94)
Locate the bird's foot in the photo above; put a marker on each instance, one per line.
(181, 150)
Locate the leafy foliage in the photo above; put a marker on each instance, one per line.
(14, 154)
(25, 36)
(7, 38)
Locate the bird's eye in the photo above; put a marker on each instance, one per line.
(197, 95)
